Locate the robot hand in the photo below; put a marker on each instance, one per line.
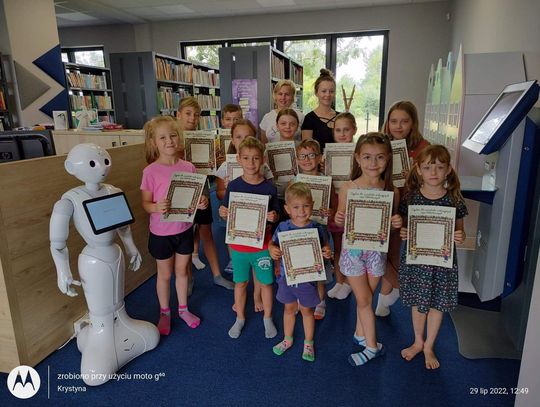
(135, 261)
(65, 282)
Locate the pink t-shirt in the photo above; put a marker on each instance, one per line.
(156, 179)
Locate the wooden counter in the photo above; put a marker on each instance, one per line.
(35, 317)
(65, 140)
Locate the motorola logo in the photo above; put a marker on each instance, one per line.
(23, 382)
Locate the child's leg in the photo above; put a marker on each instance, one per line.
(289, 319)
(419, 322)
(320, 309)
(239, 306)
(308, 320)
(434, 320)
(199, 265)
(163, 288)
(257, 298)
(210, 251)
(342, 289)
(365, 317)
(267, 294)
(182, 265)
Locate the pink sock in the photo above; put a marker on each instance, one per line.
(191, 320)
(164, 324)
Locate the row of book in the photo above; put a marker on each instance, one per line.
(297, 74)
(205, 78)
(208, 122)
(170, 71)
(85, 80)
(90, 101)
(3, 105)
(278, 67)
(209, 102)
(168, 98)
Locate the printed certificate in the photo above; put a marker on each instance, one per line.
(200, 150)
(338, 160)
(282, 158)
(320, 187)
(246, 222)
(431, 235)
(400, 162)
(184, 193)
(302, 256)
(224, 139)
(367, 219)
(234, 170)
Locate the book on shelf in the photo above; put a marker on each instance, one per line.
(172, 71)
(297, 74)
(3, 105)
(278, 67)
(168, 98)
(208, 122)
(102, 102)
(205, 78)
(77, 79)
(208, 102)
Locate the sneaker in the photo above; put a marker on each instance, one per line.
(335, 289)
(382, 309)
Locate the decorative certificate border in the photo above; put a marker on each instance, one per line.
(211, 164)
(230, 167)
(351, 235)
(258, 235)
(272, 153)
(293, 273)
(444, 252)
(328, 164)
(222, 151)
(326, 193)
(404, 163)
(194, 202)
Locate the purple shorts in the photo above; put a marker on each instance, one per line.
(305, 293)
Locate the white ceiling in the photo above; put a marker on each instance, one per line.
(76, 13)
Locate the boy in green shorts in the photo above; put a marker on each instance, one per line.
(251, 158)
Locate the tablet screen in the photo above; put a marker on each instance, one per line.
(108, 212)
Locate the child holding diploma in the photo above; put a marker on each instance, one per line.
(188, 115)
(299, 206)
(344, 131)
(308, 154)
(170, 243)
(251, 157)
(241, 129)
(401, 124)
(430, 290)
(372, 169)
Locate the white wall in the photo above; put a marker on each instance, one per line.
(497, 26)
(419, 35)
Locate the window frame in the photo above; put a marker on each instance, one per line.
(71, 50)
(331, 48)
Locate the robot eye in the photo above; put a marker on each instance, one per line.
(92, 163)
(107, 162)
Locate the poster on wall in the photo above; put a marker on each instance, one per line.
(244, 93)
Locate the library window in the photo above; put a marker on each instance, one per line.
(93, 56)
(358, 60)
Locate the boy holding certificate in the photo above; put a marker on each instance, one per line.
(299, 205)
(250, 157)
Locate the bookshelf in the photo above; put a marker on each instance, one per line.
(265, 64)
(91, 87)
(147, 84)
(6, 118)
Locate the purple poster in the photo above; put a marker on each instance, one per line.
(244, 93)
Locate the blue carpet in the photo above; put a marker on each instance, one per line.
(204, 367)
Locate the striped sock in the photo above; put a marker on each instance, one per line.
(361, 358)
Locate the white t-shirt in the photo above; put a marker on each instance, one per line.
(268, 124)
(222, 171)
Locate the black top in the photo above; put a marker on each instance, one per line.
(321, 132)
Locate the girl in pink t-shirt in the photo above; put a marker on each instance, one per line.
(170, 243)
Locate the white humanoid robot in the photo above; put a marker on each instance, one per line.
(113, 338)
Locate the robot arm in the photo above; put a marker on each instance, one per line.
(58, 234)
(134, 256)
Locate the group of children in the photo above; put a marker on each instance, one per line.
(429, 290)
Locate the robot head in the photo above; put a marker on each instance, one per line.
(88, 162)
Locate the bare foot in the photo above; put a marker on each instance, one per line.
(409, 353)
(259, 306)
(431, 360)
